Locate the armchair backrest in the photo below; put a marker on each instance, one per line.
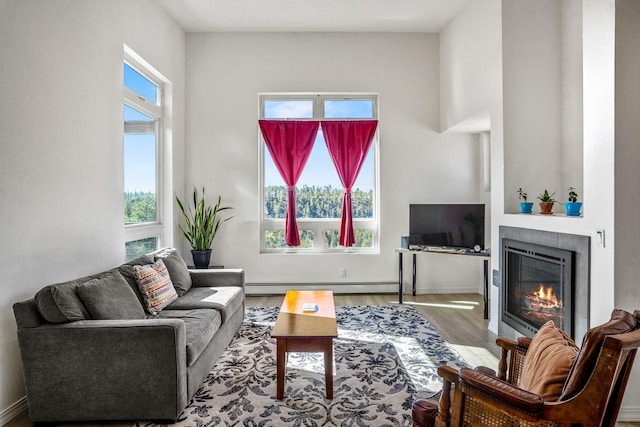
(621, 322)
(598, 378)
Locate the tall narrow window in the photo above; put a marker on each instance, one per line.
(319, 191)
(142, 148)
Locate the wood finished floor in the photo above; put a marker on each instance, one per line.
(457, 317)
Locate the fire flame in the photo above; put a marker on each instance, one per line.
(544, 298)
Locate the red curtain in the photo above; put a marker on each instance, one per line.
(290, 144)
(348, 142)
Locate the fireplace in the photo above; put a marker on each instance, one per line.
(537, 286)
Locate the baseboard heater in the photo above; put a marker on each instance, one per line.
(338, 288)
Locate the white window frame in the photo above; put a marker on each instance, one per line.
(156, 229)
(319, 225)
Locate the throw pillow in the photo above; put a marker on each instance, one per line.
(109, 297)
(155, 286)
(178, 271)
(549, 359)
(60, 303)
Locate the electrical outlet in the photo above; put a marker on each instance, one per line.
(343, 272)
(496, 279)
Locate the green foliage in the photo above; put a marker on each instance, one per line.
(316, 202)
(364, 238)
(140, 208)
(274, 239)
(522, 195)
(573, 196)
(137, 248)
(546, 197)
(202, 223)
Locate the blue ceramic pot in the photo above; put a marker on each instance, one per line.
(573, 208)
(526, 207)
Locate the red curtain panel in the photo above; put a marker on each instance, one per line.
(289, 143)
(348, 142)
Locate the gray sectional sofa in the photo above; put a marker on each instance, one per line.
(90, 351)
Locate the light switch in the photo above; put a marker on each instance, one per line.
(600, 237)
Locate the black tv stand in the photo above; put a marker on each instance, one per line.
(484, 256)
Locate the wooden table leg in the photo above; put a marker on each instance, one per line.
(281, 360)
(328, 368)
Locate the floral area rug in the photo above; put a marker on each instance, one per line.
(384, 357)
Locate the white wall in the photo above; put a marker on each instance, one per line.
(470, 66)
(627, 200)
(471, 96)
(571, 99)
(61, 169)
(225, 73)
(532, 93)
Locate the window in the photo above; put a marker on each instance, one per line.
(319, 192)
(142, 148)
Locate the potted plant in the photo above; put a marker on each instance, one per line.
(573, 206)
(202, 224)
(546, 202)
(525, 207)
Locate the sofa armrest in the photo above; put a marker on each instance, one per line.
(98, 369)
(212, 277)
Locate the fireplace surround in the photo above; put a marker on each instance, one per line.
(579, 246)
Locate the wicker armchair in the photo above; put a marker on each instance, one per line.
(591, 395)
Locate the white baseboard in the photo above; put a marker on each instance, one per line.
(629, 414)
(349, 288)
(342, 288)
(14, 411)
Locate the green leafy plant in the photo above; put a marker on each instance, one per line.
(203, 222)
(522, 195)
(546, 197)
(573, 196)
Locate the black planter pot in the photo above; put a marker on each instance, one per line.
(201, 258)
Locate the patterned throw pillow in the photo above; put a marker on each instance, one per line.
(155, 286)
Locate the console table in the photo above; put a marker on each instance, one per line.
(484, 256)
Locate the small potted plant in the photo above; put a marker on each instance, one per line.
(525, 207)
(546, 202)
(202, 224)
(573, 206)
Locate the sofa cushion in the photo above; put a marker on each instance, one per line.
(155, 286)
(549, 359)
(110, 297)
(126, 270)
(177, 268)
(200, 327)
(59, 303)
(227, 299)
(620, 323)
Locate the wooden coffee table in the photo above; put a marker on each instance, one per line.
(306, 332)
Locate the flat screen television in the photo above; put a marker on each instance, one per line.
(449, 225)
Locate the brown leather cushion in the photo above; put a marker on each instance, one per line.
(549, 359)
(424, 412)
(621, 322)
